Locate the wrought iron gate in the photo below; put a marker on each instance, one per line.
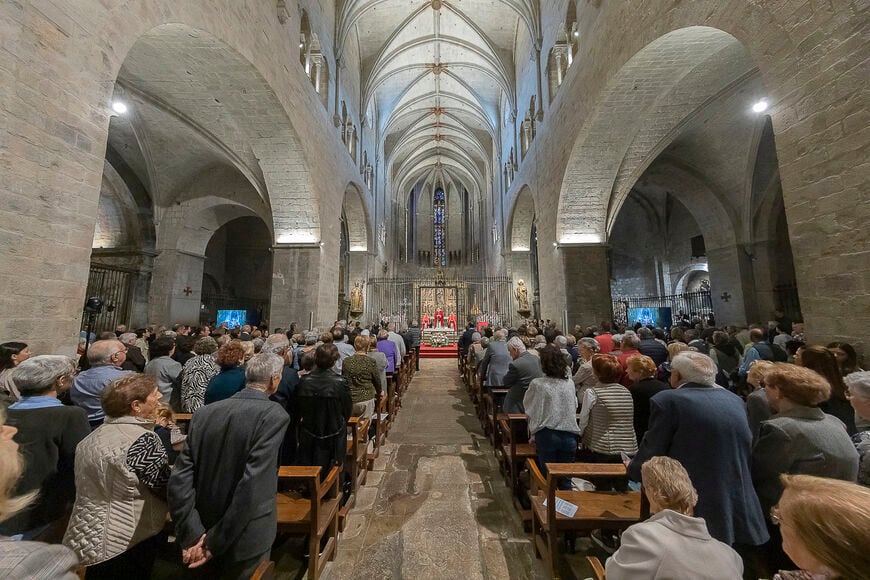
(699, 303)
(111, 284)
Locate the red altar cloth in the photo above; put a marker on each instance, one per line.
(481, 324)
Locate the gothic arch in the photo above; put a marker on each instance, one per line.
(522, 220)
(356, 212)
(642, 109)
(194, 75)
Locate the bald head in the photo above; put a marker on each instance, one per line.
(102, 352)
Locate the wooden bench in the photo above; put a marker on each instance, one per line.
(315, 516)
(491, 403)
(608, 510)
(513, 452)
(381, 420)
(355, 462)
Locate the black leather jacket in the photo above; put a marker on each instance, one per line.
(323, 406)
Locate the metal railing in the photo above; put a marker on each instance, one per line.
(699, 303)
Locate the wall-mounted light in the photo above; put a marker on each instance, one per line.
(569, 239)
(119, 107)
(576, 33)
(760, 106)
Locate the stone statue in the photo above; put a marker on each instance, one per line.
(356, 298)
(522, 294)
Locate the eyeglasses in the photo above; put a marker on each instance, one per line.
(120, 352)
(775, 516)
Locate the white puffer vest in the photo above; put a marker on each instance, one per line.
(113, 511)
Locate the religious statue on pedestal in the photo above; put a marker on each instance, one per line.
(522, 294)
(356, 299)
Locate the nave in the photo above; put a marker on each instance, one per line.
(434, 504)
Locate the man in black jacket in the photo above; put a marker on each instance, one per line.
(222, 488)
(650, 347)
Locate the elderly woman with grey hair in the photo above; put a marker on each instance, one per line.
(585, 377)
(197, 373)
(858, 393)
(475, 350)
(48, 432)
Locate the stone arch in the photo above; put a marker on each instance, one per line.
(642, 109)
(356, 212)
(689, 275)
(196, 76)
(522, 220)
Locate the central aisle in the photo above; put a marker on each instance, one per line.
(435, 505)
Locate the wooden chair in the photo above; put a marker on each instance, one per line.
(597, 567)
(608, 510)
(182, 420)
(355, 462)
(513, 452)
(315, 516)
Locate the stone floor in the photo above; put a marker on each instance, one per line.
(435, 505)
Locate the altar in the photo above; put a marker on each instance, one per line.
(438, 337)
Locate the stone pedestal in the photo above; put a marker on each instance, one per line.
(587, 284)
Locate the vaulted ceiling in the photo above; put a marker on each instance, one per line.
(435, 74)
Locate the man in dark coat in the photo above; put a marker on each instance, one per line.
(135, 360)
(465, 340)
(521, 371)
(323, 406)
(222, 488)
(650, 347)
(705, 428)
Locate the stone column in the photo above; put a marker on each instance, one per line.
(176, 287)
(295, 287)
(587, 284)
(732, 284)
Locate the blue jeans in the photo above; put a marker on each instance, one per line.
(555, 447)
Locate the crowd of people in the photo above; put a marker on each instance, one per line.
(92, 462)
(720, 422)
(754, 450)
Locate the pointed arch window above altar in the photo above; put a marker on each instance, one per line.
(439, 217)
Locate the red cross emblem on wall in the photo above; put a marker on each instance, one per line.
(188, 291)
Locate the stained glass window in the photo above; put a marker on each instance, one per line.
(440, 228)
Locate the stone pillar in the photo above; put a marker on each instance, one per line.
(731, 283)
(295, 287)
(176, 287)
(539, 114)
(587, 284)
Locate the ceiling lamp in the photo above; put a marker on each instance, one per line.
(119, 107)
(760, 106)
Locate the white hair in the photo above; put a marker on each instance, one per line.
(38, 373)
(499, 334)
(262, 367)
(858, 383)
(276, 343)
(128, 338)
(516, 344)
(561, 341)
(695, 367)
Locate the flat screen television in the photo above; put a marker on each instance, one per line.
(656, 316)
(233, 318)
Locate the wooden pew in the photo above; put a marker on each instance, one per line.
(315, 516)
(609, 510)
(597, 568)
(491, 403)
(355, 462)
(513, 452)
(381, 421)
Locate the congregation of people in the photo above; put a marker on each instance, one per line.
(92, 462)
(753, 448)
(740, 437)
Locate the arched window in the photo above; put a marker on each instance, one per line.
(439, 228)
(304, 40)
(573, 33)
